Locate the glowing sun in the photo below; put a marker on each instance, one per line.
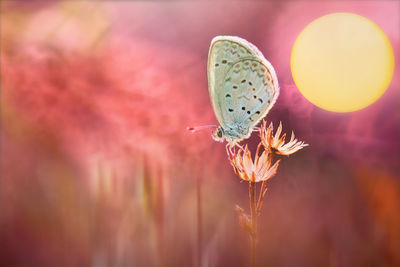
(342, 62)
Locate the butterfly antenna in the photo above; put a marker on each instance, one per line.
(198, 128)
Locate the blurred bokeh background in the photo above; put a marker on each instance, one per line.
(97, 168)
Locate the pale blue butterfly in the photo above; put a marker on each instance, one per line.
(243, 87)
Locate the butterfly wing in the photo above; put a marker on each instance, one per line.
(250, 93)
(243, 85)
(223, 53)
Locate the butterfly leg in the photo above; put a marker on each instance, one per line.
(230, 149)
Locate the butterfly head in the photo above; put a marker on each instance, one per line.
(218, 135)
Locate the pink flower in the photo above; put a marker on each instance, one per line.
(261, 169)
(276, 143)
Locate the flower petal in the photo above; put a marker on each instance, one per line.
(271, 172)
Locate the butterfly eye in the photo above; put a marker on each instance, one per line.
(219, 133)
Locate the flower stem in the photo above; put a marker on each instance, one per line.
(253, 209)
(262, 191)
(261, 196)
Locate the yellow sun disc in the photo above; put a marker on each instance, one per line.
(342, 62)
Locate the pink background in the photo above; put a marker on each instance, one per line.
(97, 168)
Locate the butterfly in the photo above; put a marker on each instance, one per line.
(243, 87)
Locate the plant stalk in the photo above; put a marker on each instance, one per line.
(253, 234)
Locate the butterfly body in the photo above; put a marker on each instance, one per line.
(242, 84)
